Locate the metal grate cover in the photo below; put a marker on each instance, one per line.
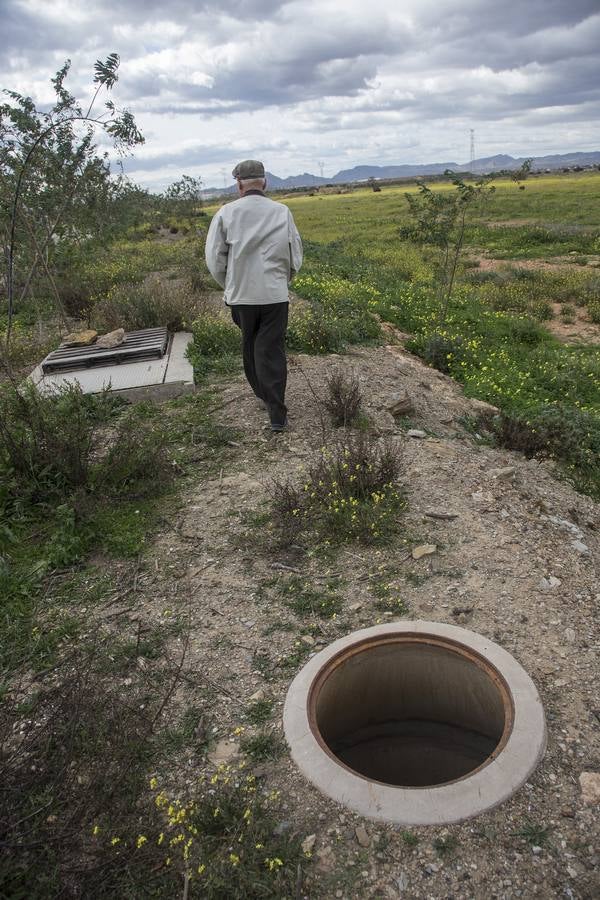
(150, 343)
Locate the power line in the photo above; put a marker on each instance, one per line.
(472, 157)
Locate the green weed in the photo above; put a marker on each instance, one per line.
(534, 833)
(445, 846)
(259, 712)
(307, 601)
(410, 838)
(262, 746)
(349, 493)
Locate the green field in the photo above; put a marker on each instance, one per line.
(496, 339)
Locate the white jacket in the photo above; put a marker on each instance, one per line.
(253, 250)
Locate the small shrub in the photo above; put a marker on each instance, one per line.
(224, 840)
(151, 304)
(262, 746)
(28, 344)
(311, 331)
(541, 310)
(593, 309)
(441, 351)
(343, 399)
(77, 759)
(516, 433)
(217, 346)
(534, 834)
(591, 291)
(259, 712)
(388, 599)
(54, 446)
(569, 435)
(214, 336)
(305, 600)
(410, 838)
(445, 846)
(567, 313)
(523, 330)
(349, 494)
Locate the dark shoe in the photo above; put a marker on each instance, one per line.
(277, 427)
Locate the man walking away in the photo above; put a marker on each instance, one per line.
(253, 250)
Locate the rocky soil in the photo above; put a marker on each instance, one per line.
(517, 563)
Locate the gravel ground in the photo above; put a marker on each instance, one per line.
(518, 564)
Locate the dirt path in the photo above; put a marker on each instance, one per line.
(508, 566)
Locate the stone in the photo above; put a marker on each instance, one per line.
(362, 836)
(112, 339)
(570, 635)
(480, 406)
(402, 881)
(308, 843)
(580, 547)
(590, 788)
(441, 514)
(482, 497)
(325, 859)
(505, 472)
(257, 695)
(80, 338)
(567, 525)
(401, 406)
(416, 433)
(308, 639)
(549, 583)
(354, 607)
(223, 751)
(423, 550)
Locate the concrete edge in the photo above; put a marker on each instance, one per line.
(443, 804)
(179, 368)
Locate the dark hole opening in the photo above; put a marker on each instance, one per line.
(410, 713)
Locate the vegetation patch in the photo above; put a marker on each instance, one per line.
(349, 494)
(262, 746)
(217, 346)
(343, 398)
(309, 601)
(572, 437)
(259, 712)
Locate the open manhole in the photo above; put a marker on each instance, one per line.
(415, 723)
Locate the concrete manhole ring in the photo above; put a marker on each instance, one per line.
(416, 723)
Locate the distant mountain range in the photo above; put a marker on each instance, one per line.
(478, 166)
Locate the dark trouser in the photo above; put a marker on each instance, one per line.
(263, 345)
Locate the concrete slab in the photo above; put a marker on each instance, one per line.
(154, 379)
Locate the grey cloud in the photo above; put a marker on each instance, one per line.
(304, 65)
(194, 156)
(195, 11)
(322, 71)
(473, 18)
(24, 39)
(187, 157)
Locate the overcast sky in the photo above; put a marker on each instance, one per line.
(337, 82)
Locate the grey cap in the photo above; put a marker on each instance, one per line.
(249, 168)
